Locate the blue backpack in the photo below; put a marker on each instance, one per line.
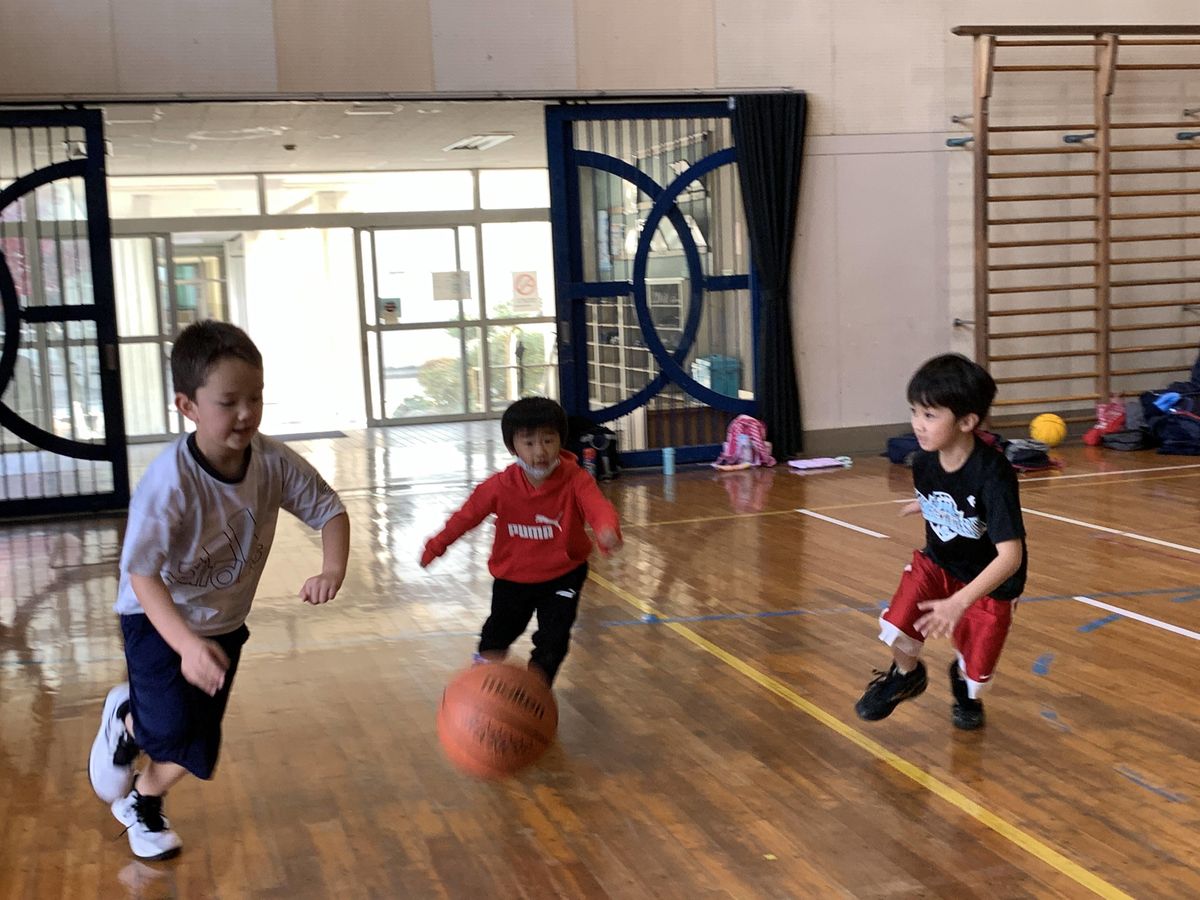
(1177, 433)
(902, 448)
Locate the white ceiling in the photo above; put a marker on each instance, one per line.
(198, 138)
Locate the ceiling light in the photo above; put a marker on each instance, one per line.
(151, 119)
(237, 134)
(372, 109)
(479, 142)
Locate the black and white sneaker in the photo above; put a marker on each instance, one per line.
(888, 689)
(967, 714)
(110, 766)
(149, 832)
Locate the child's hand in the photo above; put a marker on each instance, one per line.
(320, 588)
(203, 663)
(910, 508)
(608, 541)
(941, 616)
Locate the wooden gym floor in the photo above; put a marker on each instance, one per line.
(708, 745)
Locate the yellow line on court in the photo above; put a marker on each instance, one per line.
(1005, 829)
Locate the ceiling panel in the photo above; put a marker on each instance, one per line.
(186, 138)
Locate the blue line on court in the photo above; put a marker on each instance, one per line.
(1052, 717)
(1042, 665)
(1097, 623)
(1140, 781)
(1186, 592)
(651, 619)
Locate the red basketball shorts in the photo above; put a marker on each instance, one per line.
(979, 636)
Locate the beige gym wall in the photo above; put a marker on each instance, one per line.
(883, 261)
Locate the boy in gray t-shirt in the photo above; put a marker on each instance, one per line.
(201, 524)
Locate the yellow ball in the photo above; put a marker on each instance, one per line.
(1049, 429)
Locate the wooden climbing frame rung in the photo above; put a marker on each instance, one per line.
(1078, 214)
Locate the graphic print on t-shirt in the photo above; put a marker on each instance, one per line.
(226, 558)
(946, 519)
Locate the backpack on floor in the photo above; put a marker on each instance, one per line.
(1178, 433)
(586, 434)
(902, 448)
(1028, 456)
(746, 444)
(1126, 439)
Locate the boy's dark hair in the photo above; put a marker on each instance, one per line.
(954, 382)
(201, 346)
(533, 413)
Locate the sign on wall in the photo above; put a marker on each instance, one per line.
(526, 297)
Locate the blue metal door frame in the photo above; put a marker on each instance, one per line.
(572, 291)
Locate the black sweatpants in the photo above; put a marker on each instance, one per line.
(513, 605)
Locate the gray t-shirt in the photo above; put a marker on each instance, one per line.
(208, 538)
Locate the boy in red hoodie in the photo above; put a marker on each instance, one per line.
(539, 557)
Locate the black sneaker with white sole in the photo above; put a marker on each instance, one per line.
(967, 714)
(888, 689)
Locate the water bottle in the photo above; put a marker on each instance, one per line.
(589, 460)
(668, 460)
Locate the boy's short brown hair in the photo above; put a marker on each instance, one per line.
(201, 346)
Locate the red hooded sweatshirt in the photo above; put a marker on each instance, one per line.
(539, 530)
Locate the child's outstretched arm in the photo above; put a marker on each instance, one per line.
(601, 515)
(335, 550)
(202, 662)
(480, 505)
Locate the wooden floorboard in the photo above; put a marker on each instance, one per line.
(711, 751)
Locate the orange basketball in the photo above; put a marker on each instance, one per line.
(496, 719)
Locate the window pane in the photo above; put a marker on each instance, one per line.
(365, 192)
(174, 196)
(415, 277)
(518, 263)
(514, 188)
(423, 373)
(522, 362)
(136, 284)
(142, 379)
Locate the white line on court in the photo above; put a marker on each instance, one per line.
(817, 515)
(1157, 623)
(1132, 535)
(1108, 474)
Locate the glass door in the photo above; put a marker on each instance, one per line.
(421, 324)
(146, 324)
(163, 283)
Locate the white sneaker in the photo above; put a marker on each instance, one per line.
(150, 834)
(110, 767)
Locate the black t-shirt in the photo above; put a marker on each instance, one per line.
(968, 512)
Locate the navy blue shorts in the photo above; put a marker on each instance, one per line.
(174, 721)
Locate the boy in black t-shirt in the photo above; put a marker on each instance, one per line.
(964, 584)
